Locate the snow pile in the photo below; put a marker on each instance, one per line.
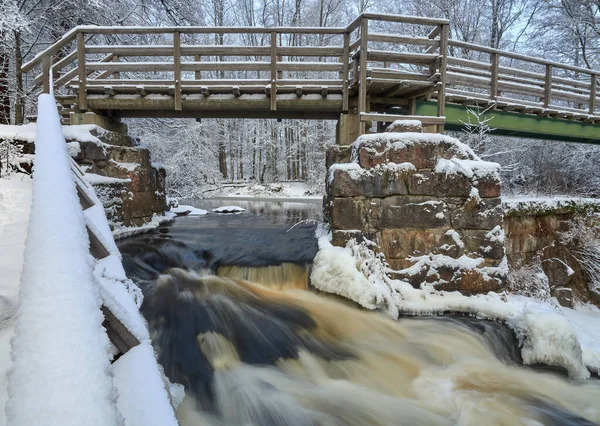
(229, 209)
(533, 205)
(61, 370)
(27, 132)
(473, 169)
(188, 210)
(137, 404)
(545, 333)
(355, 172)
(15, 199)
(121, 231)
(401, 140)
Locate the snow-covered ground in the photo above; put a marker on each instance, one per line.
(15, 200)
(273, 190)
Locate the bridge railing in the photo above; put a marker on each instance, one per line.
(287, 61)
(513, 81)
(404, 59)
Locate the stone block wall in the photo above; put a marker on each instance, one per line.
(428, 203)
(534, 235)
(130, 187)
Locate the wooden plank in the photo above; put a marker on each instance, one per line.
(50, 51)
(415, 20)
(46, 66)
(593, 91)
(130, 66)
(273, 70)
(197, 73)
(406, 58)
(441, 100)
(425, 119)
(403, 39)
(177, 69)
(362, 88)
(81, 71)
(118, 30)
(97, 249)
(118, 334)
(548, 86)
(494, 83)
(467, 63)
(225, 66)
(346, 71)
(390, 73)
(311, 66)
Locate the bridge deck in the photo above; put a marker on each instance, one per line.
(367, 68)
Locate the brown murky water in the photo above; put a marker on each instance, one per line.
(254, 354)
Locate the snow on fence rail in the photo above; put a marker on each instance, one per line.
(61, 372)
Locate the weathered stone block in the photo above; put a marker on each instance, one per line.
(337, 154)
(367, 183)
(413, 212)
(440, 185)
(402, 126)
(403, 243)
(340, 237)
(347, 213)
(472, 281)
(482, 244)
(485, 214)
(488, 187)
(421, 156)
(130, 155)
(564, 296)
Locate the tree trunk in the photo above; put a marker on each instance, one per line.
(4, 86)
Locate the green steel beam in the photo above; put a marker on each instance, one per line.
(516, 124)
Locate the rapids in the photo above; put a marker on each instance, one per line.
(267, 353)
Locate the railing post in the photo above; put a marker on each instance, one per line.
(441, 107)
(273, 71)
(177, 69)
(548, 86)
(197, 73)
(46, 65)
(362, 88)
(81, 71)
(494, 87)
(593, 93)
(116, 75)
(345, 71)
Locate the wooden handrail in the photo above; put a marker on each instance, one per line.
(426, 60)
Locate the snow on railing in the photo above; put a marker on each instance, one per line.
(61, 365)
(61, 372)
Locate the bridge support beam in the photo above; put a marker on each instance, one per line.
(347, 129)
(99, 120)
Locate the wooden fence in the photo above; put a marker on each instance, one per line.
(372, 66)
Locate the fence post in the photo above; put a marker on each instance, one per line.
(116, 75)
(441, 107)
(273, 71)
(197, 73)
(362, 88)
(177, 69)
(593, 93)
(81, 72)
(346, 66)
(46, 65)
(495, 65)
(548, 86)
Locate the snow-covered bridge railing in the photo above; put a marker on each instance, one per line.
(274, 72)
(71, 305)
(305, 72)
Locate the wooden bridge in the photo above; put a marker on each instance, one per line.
(377, 69)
